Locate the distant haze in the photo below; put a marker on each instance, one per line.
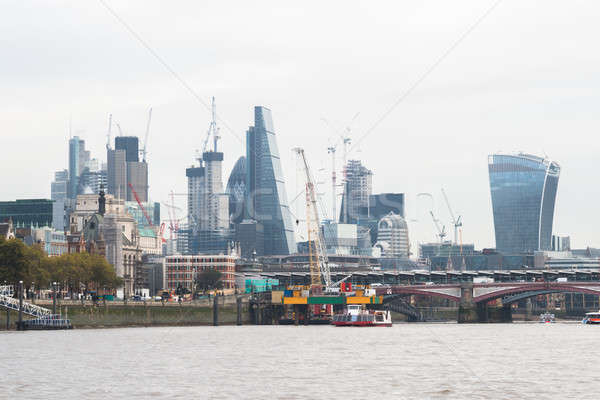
(524, 79)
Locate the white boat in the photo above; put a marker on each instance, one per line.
(356, 315)
(546, 318)
(592, 318)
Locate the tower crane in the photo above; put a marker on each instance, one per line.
(455, 221)
(143, 151)
(442, 231)
(109, 131)
(345, 140)
(331, 150)
(213, 130)
(319, 263)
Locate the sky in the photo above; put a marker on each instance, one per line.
(427, 89)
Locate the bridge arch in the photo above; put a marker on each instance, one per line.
(519, 292)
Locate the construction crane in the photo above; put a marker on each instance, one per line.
(345, 140)
(143, 151)
(331, 150)
(173, 221)
(319, 263)
(108, 134)
(442, 231)
(140, 204)
(213, 130)
(455, 221)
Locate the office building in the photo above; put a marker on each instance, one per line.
(137, 177)
(561, 243)
(130, 144)
(58, 194)
(392, 236)
(183, 270)
(78, 157)
(116, 173)
(523, 189)
(266, 196)
(236, 189)
(208, 205)
(195, 179)
(343, 239)
(250, 234)
(124, 168)
(30, 212)
(358, 188)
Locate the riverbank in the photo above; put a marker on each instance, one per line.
(133, 314)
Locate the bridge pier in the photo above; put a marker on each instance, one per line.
(467, 310)
(487, 313)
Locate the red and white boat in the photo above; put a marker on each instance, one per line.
(592, 318)
(355, 315)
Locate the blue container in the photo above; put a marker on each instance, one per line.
(288, 293)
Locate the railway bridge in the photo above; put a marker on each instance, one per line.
(474, 298)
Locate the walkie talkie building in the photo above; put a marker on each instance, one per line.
(523, 189)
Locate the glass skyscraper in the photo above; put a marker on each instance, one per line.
(267, 199)
(523, 189)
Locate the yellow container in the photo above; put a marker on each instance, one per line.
(358, 300)
(297, 293)
(295, 300)
(276, 296)
(359, 293)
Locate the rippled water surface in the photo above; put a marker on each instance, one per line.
(446, 361)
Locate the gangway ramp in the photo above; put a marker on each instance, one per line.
(8, 301)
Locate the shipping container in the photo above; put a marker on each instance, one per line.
(358, 300)
(327, 300)
(277, 296)
(294, 300)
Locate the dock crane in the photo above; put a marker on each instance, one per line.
(455, 221)
(442, 231)
(319, 262)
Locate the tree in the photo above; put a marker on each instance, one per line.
(209, 279)
(19, 262)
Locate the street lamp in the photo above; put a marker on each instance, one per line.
(53, 297)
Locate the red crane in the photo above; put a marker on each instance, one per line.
(140, 204)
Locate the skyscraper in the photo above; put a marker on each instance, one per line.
(117, 173)
(357, 191)
(131, 146)
(77, 159)
(236, 189)
(137, 177)
(58, 193)
(208, 204)
(392, 236)
(265, 185)
(523, 189)
(125, 168)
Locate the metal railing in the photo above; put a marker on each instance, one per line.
(7, 301)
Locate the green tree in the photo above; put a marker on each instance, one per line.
(209, 279)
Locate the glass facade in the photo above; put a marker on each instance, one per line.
(27, 213)
(523, 189)
(267, 199)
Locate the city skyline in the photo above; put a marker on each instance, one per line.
(484, 100)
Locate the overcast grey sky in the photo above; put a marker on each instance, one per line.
(525, 79)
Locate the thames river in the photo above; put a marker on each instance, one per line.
(412, 361)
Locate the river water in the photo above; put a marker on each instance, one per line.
(412, 361)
